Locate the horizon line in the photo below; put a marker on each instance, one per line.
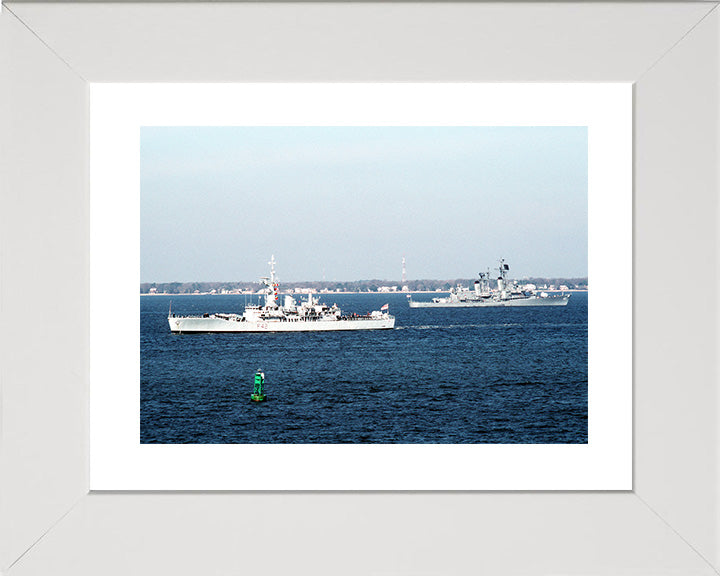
(585, 277)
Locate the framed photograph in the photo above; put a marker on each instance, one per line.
(72, 376)
(557, 148)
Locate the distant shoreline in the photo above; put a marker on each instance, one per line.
(318, 293)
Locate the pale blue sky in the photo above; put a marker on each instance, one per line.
(347, 203)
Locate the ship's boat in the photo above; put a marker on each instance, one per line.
(292, 316)
(506, 293)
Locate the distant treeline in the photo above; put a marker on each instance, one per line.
(354, 286)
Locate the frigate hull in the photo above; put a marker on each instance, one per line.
(549, 301)
(193, 325)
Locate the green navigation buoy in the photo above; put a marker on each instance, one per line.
(258, 395)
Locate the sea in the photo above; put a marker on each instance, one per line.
(442, 376)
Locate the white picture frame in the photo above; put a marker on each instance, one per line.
(50, 523)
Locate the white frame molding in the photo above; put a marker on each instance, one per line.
(50, 523)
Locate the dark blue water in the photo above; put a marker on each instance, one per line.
(444, 375)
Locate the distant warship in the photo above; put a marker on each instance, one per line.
(507, 293)
(292, 316)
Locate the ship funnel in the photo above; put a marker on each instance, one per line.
(477, 286)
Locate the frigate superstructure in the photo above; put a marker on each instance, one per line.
(506, 293)
(292, 316)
